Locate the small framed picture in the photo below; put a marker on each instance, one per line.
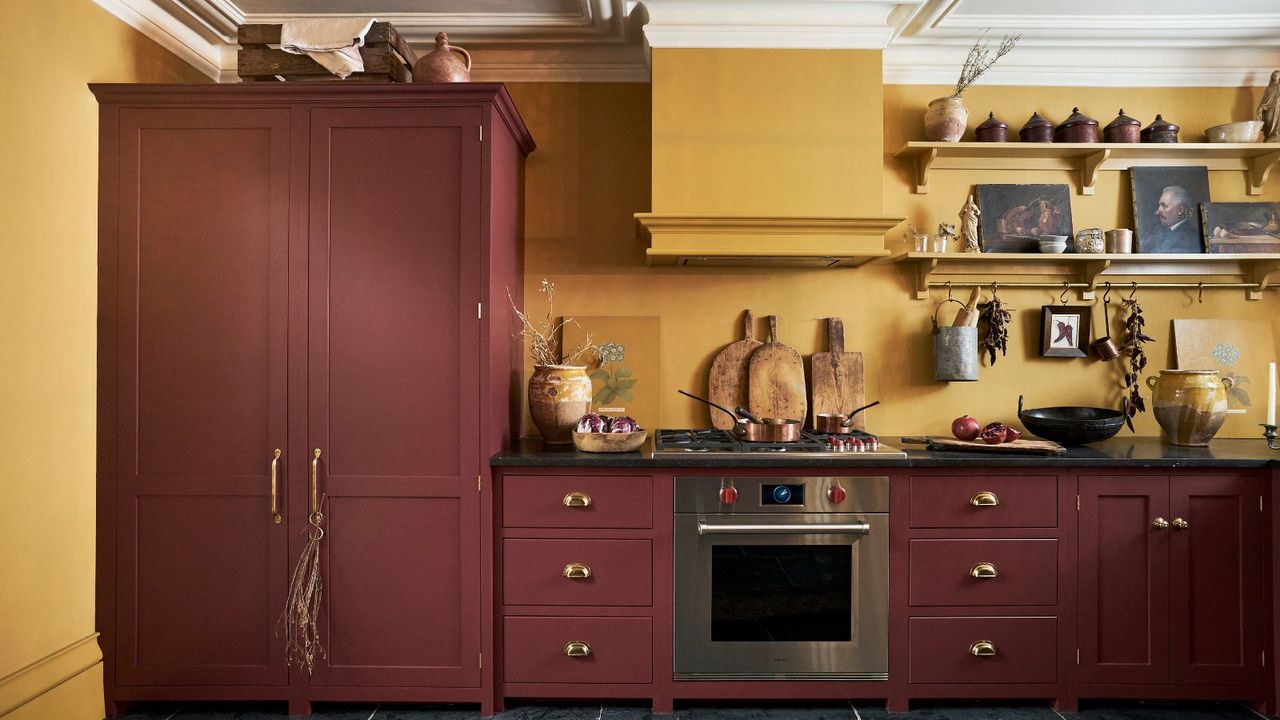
(1064, 330)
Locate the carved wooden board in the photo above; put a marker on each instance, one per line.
(775, 380)
(727, 381)
(1028, 447)
(837, 378)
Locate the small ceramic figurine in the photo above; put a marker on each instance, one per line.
(1269, 110)
(946, 231)
(969, 215)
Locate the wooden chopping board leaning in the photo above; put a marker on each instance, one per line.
(727, 381)
(775, 380)
(838, 387)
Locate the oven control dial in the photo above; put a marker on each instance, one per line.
(728, 494)
(835, 494)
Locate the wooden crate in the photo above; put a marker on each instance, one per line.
(387, 57)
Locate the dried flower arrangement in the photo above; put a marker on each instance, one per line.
(543, 336)
(980, 60)
(1135, 337)
(302, 605)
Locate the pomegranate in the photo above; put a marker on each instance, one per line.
(994, 433)
(966, 428)
(1011, 434)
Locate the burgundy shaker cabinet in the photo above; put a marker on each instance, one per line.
(302, 295)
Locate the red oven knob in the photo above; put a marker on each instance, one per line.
(728, 494)
(835, 494)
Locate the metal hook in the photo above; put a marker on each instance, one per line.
(1134, 291)
(1200, 293)
(1063, 297)
(1106, 295)
(949, 290)
(994, 287)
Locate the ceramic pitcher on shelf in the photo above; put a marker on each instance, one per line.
(1190, 405)
(443, 64)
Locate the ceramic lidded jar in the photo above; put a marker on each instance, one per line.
(443, 64)
(1036, 129)
(1190, 405)
(558, 396)
(1123, 129)
(1090, 241)
(1077, 128)
(1160, 131)
(993, 129)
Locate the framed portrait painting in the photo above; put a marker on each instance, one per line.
(1064, 330)
(1241, 227)
(1166, 208)
(1015, 216)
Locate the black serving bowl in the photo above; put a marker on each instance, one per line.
(1071, 425)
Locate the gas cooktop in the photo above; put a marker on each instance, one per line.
(721, 443)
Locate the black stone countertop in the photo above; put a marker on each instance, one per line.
(1120, 451)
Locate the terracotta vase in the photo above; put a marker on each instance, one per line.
(1190, 405)
(558, 396)
(443, 64)
(945, 120)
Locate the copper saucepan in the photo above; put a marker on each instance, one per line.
(835, 423)
(752, 429)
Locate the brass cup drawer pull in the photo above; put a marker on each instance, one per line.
(983, 648)
(1180, 524)
(577, 649)
(1160, 524)
(983, 571)
(985, 498)
(576, 499)
(577, 571)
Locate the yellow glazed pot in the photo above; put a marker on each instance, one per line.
(558, 396)
(1190, 405)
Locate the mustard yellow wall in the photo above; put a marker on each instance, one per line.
(48, 242)
(728, 127)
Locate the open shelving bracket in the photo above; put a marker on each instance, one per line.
(1261, 273)
(1259, 169)
(924, 269)
(1089, 170)
(924, 161)
(1092, 271)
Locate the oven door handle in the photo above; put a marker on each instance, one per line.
(855, 528)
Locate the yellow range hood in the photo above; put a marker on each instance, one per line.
(758, 241)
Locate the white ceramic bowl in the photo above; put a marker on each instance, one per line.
(1055, 248)
(1052, 239)
(1245, 131)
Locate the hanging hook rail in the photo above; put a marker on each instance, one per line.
(1200, 293)
(1062, 299)
(1084, 286)
(1106, 293)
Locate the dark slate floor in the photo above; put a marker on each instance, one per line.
(925, 711)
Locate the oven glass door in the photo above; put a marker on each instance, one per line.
(778, 595)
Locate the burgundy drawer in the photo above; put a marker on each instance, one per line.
(536, 572)
(1026, 650)
(984, 572)
(542, 501)
(1024, 501)
(534, 650)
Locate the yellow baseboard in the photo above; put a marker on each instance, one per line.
(64, 685)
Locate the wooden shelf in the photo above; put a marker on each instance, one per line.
(695, 240)
(1253, 272)
(1089, 159)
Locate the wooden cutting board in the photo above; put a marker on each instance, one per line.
(775, 380)
(727, 381)
(1026, 447)
(837, 377)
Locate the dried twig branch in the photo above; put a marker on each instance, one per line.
(980, 60)
(543, 336)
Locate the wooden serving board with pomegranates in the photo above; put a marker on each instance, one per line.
(1025, 447)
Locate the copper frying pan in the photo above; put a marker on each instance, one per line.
(753, 429)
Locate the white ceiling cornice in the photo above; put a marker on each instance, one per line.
(1231, 43)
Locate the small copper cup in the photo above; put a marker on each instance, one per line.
(1104, 348)
(1119, 240)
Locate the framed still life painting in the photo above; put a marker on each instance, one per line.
(1166, 208)
(624, 369)
(1064, 330)
(1237, 349)
(1015, 216)
(1241, 227)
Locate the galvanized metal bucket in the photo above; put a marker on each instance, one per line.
(955, 350)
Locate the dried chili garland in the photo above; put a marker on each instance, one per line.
(997, 318)
(1135, 338)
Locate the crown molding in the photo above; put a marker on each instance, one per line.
(210, 55)
(802, 24)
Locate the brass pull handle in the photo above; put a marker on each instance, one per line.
(1160, 524)
(1180, 524)
(983, 648)
(315, 483)
(577, 571)
(984, 570)
(577, 649)
(577, 499)
(984, 499)
(275, 464)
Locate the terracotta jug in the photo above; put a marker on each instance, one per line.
(558, 396)
(1190, 405)
(443, 63)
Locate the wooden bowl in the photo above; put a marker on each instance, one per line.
(609, 442)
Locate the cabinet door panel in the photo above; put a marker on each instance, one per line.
(1216, 580)
(202, 276)
(1124, 580)
(394, 391)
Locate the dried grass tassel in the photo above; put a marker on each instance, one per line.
(302, 608)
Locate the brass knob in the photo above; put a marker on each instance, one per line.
(1160, 524)
(577, 499)
(577, 571)
(982, 648)
(577, 649)
(1180, 524)
(985, 498)
(983, 570)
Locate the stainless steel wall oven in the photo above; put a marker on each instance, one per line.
(781, 577)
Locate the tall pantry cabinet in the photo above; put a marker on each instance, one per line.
(302, 293)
